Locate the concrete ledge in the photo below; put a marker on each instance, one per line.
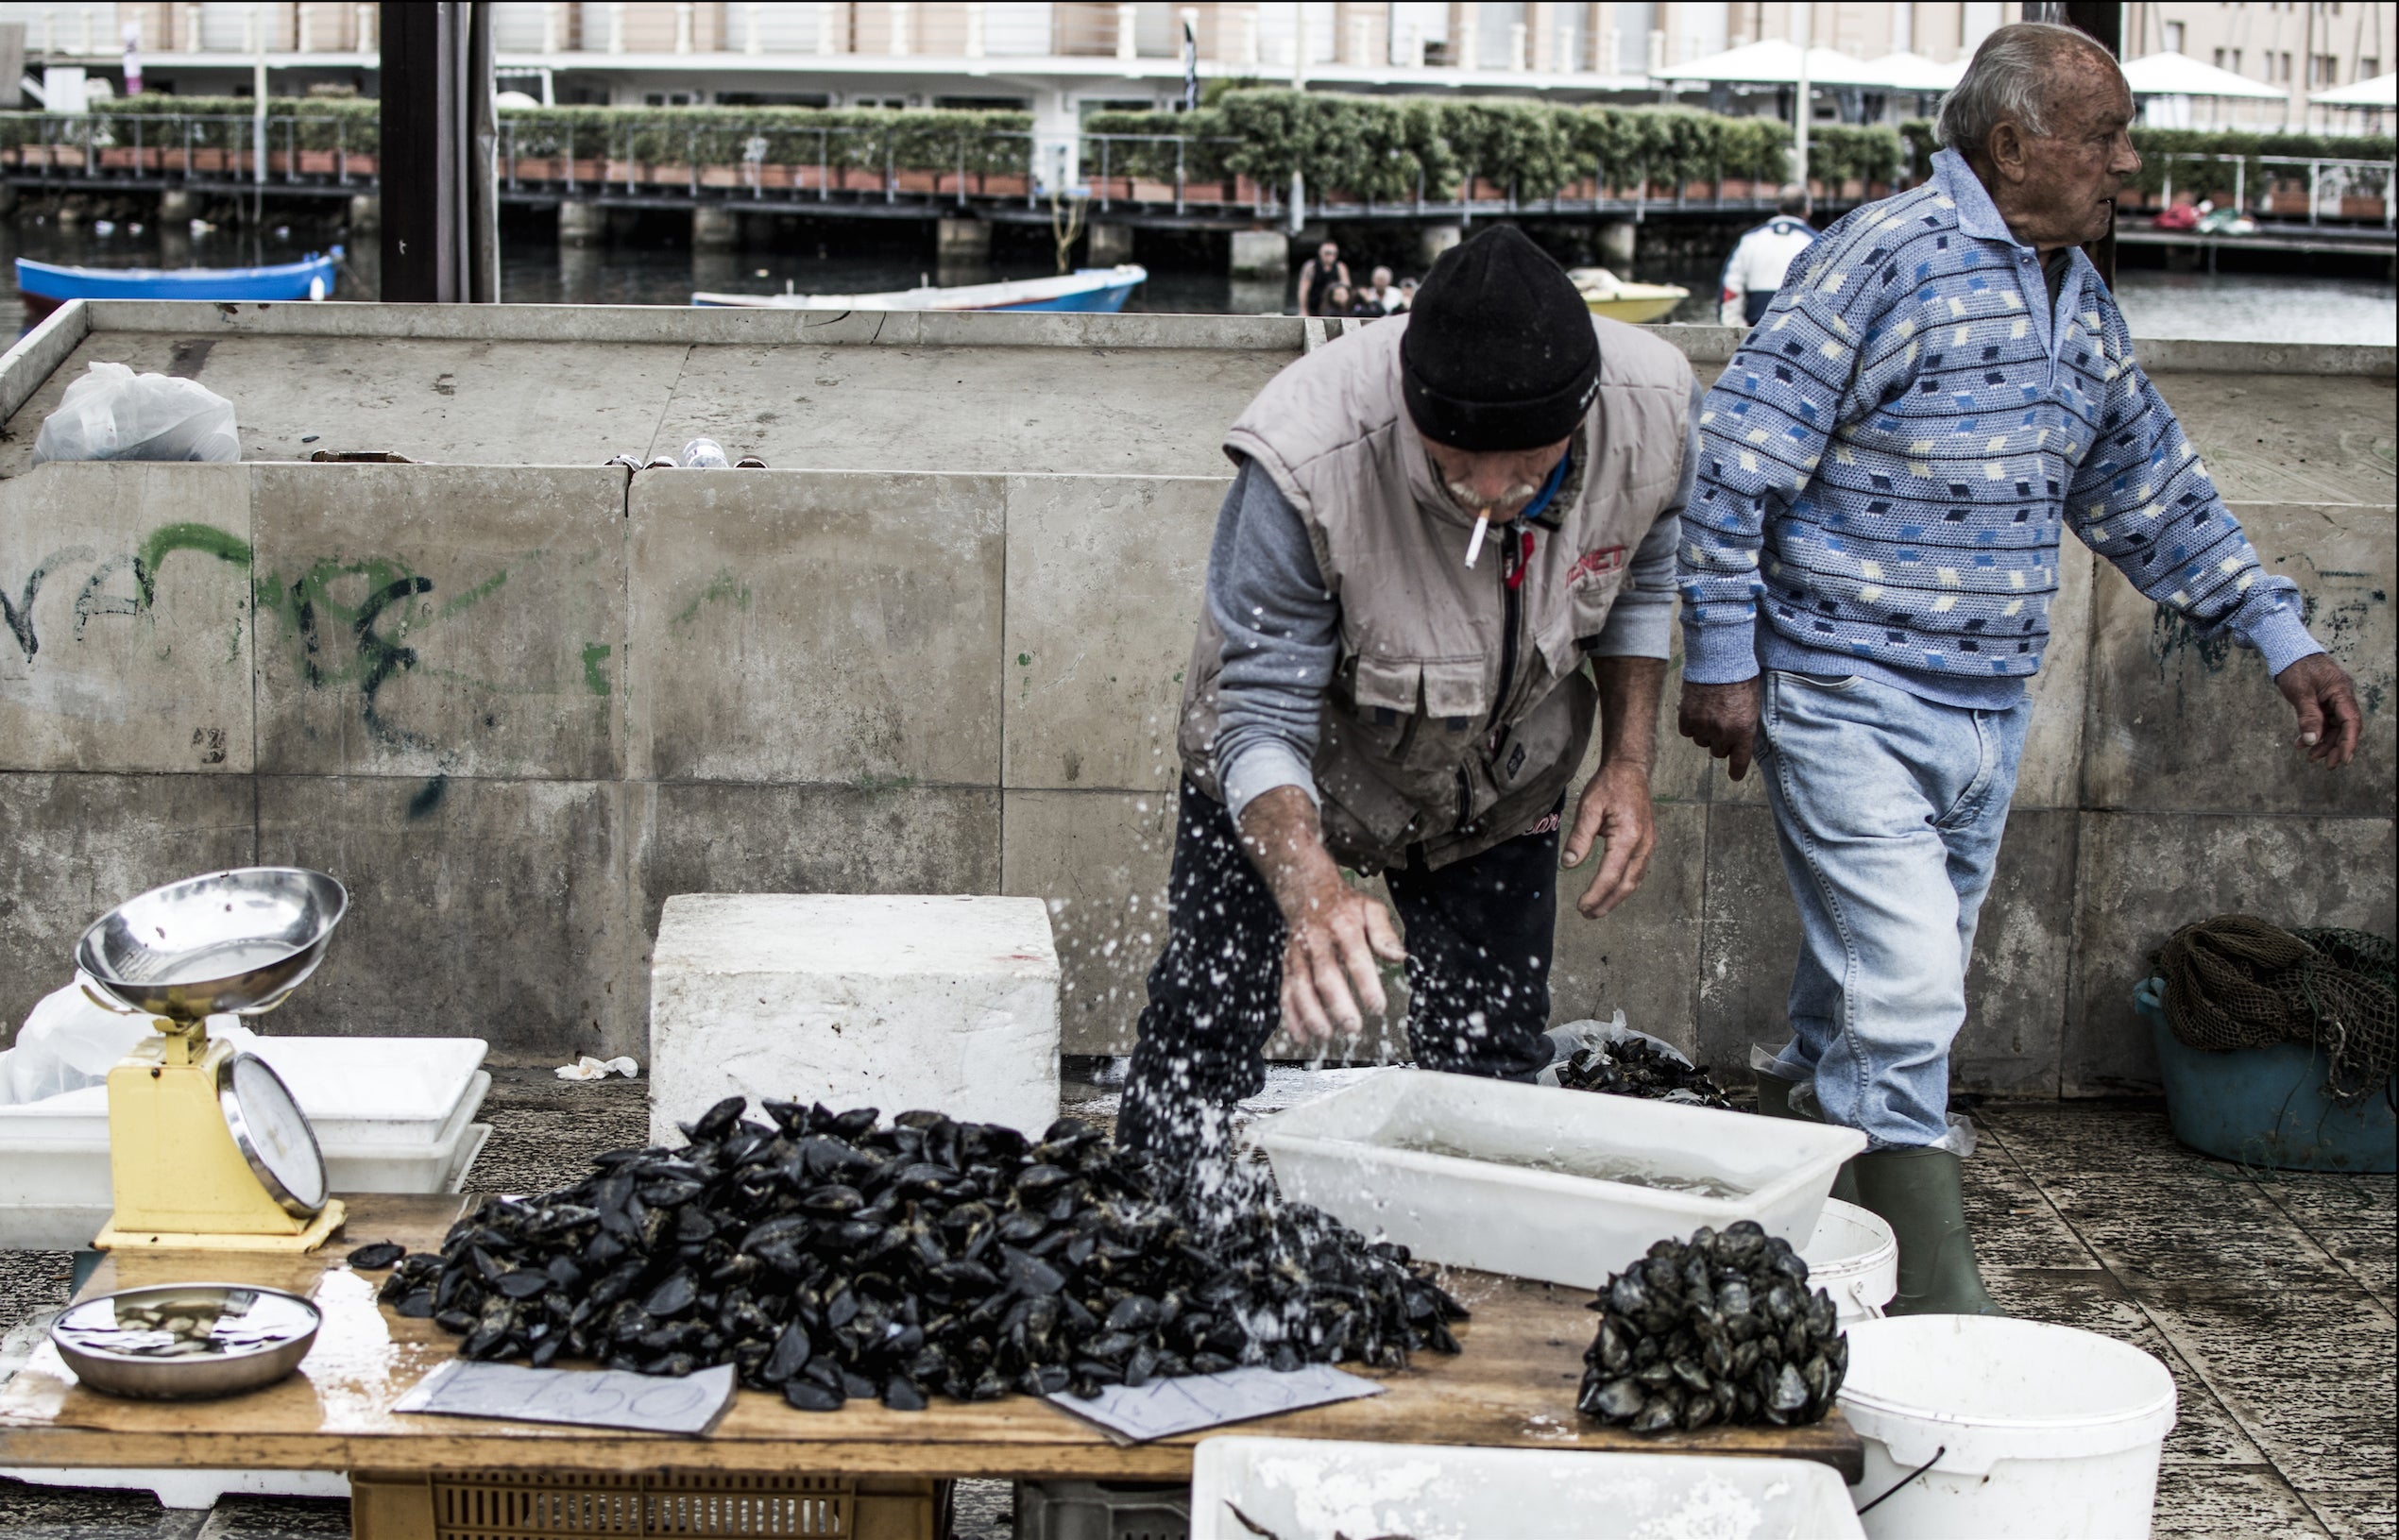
(27, 365)
(702, 324)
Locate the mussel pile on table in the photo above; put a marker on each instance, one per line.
(828, 1258)
(1635, 1068)
(1720, 1328)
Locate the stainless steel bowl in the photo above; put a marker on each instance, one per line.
(256, 1337)
(228, 941)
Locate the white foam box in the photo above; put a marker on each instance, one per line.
(1449, 1166)
(391, 1115)
(899, 1003)
(1305, 1486)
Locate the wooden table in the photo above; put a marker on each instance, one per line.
(1513, 1386)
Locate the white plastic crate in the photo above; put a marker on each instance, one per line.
(1371, 1156)
(391, 1114)
(1299, 1486)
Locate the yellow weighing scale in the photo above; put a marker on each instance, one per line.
(207, 1149)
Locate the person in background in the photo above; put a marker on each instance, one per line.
(1338, 300)
(1761, 258)
(1943, 386)
(1378, 293)
(1405, 297)
(1320, 273)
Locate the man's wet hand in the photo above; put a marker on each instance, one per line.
(1614, 807)
(1723, 720)
(1332, 965)
(2320, 691)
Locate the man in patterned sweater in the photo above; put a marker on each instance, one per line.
(1941, 383)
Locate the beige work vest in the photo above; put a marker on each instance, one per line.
(1459, 709)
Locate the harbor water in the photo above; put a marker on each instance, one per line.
(2231, 307)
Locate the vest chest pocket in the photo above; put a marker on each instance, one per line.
(1591, 586)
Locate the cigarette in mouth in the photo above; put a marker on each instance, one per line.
(1474, 546)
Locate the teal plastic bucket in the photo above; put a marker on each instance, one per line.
(2265, 1107)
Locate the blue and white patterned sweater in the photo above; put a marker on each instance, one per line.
(1888, 458)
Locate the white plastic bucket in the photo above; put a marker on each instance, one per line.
(2039, 1431)
(1854, 1258)
(1322, 1487)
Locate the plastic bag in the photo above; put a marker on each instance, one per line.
(68, 1042)
(113, 413)
(1568, 1041)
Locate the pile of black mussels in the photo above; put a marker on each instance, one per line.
(828, 1258)
(1720, 1328)
(1634, 1068)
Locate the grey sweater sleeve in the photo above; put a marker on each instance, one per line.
(1641, 624)
(1281, 642)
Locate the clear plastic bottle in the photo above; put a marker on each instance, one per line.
(704, 454)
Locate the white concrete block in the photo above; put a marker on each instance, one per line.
(855, 1000)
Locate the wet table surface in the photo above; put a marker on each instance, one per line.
(1512, 1387)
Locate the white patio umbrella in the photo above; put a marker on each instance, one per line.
(1773, 63)
(2178, 75)
(2382, 90)
(1917, 74)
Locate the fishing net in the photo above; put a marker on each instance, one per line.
(2239, 982)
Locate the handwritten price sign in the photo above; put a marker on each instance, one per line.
(580, 1397)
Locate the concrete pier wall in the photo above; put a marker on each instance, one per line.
(516, 705)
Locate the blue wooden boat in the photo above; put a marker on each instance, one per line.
(1103, 289)
(50, 284)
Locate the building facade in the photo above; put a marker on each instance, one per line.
(1062, 59)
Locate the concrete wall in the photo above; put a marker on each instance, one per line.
(515, 708)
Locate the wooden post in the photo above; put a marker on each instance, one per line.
(436, 155)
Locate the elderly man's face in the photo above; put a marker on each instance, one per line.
(2059, 189)
(1495, 481)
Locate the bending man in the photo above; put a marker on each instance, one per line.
(1449, 545)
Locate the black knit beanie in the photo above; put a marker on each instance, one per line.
(1499, 352)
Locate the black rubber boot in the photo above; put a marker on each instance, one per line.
(1920, 1193)
(1774, 1100)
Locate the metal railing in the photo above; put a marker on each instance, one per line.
(2345, 175)
(1121, 173)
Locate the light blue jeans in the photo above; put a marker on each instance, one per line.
(1889, 809)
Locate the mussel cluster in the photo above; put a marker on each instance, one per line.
(1634, 1068)
(1720, 1328)
(828, 1258)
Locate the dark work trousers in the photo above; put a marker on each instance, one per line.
(1479, 934)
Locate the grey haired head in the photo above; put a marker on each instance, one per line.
(2010, 81)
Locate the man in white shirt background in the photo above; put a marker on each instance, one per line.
(1755, 270)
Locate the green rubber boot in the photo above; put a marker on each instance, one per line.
(1774, 1100)
(1919, 1194)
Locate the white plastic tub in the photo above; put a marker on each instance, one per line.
(1854, 1257)
(1489, 1207)
(2039, 1431)
(1317, 1488)
(391, 1114)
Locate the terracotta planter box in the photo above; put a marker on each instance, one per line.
(1008, 184)
(917, 181)
(317, 162)
(1148, 191)
(724, 177)
(2355, 207)
(1487, 190)
(859, 179)
(1246, 191)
